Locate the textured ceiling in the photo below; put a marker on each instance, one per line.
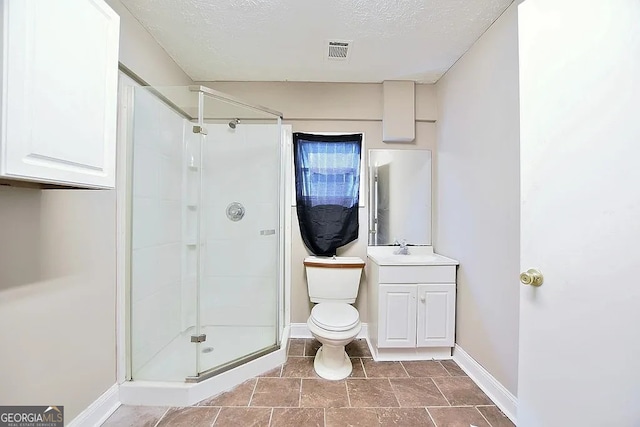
(285, 40)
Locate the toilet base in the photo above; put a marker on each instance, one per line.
(332, 362)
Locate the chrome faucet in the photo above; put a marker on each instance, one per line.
(403, 249)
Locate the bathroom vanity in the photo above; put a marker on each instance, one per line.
(412, 301)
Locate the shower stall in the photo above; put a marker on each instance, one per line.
(206, 240)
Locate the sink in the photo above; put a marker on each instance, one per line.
(407, 259)
(418, 255)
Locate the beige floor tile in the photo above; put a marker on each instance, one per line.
(238, 396)
(495, 416)
(358, 348)
(408, 417)
(371, 393)
(311, 347)
(296, 347)
(417, 392)
(457, 417)
(191, 416)
(294, 395)
(351, 417)
(297, 417)
(453, 368)
(357, 369)
(245, 417)
(323, 394)
(425, 368)
(276, 392)
(375, 369)
(135, 416)
(461, 391)
(299, 367)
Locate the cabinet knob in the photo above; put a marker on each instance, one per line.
(423, 298)
(531, 277)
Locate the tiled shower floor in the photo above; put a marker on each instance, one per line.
(421, 393)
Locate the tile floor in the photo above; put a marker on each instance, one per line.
(422, 393)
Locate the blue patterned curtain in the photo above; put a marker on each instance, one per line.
(327, 169)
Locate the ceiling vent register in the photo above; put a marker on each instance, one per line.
(338, 50)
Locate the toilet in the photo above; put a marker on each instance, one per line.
(333, 285)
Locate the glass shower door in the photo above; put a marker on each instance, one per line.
(163, 247)
(240, 247)
(206, 233)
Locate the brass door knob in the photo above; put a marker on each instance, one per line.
(531, 277)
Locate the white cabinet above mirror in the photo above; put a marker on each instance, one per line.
(399, 197)
(59, 92)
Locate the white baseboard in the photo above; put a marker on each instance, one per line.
(406, 354)
(301, 330)
(98, 412)
(502, 397)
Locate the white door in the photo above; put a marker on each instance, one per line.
(60, 91)
(580, 223)
(436, 315)
(397, 316)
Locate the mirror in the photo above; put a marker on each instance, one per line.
(399, 197)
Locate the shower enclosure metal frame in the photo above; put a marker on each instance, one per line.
(199, 127)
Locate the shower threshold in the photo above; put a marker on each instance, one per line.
(233, 364)
(209, 383)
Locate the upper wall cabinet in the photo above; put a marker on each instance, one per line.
(59, 92)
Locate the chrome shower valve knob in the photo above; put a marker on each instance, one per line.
(235, 211)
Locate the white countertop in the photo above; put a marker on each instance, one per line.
(418, 255)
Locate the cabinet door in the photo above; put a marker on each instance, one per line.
(397, 316)
(436, 315)
(60, 61)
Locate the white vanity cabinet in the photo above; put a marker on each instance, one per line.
(59, 92)
(416, 315)
(411, 307)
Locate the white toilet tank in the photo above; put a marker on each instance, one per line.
(333, 279)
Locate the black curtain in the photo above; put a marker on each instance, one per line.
(327, 177)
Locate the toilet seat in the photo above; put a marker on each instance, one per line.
(336, 317)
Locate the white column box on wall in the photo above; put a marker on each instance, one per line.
(59, 92)
(398, 111)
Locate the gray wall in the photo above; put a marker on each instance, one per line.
(478, 195)
(57, 296)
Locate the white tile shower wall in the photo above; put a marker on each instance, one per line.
(157, 228)
(258, 216)
(156, 322)
(239, 301)
(145, 274)
(240, 265)
(240, 257)
(244, 164)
